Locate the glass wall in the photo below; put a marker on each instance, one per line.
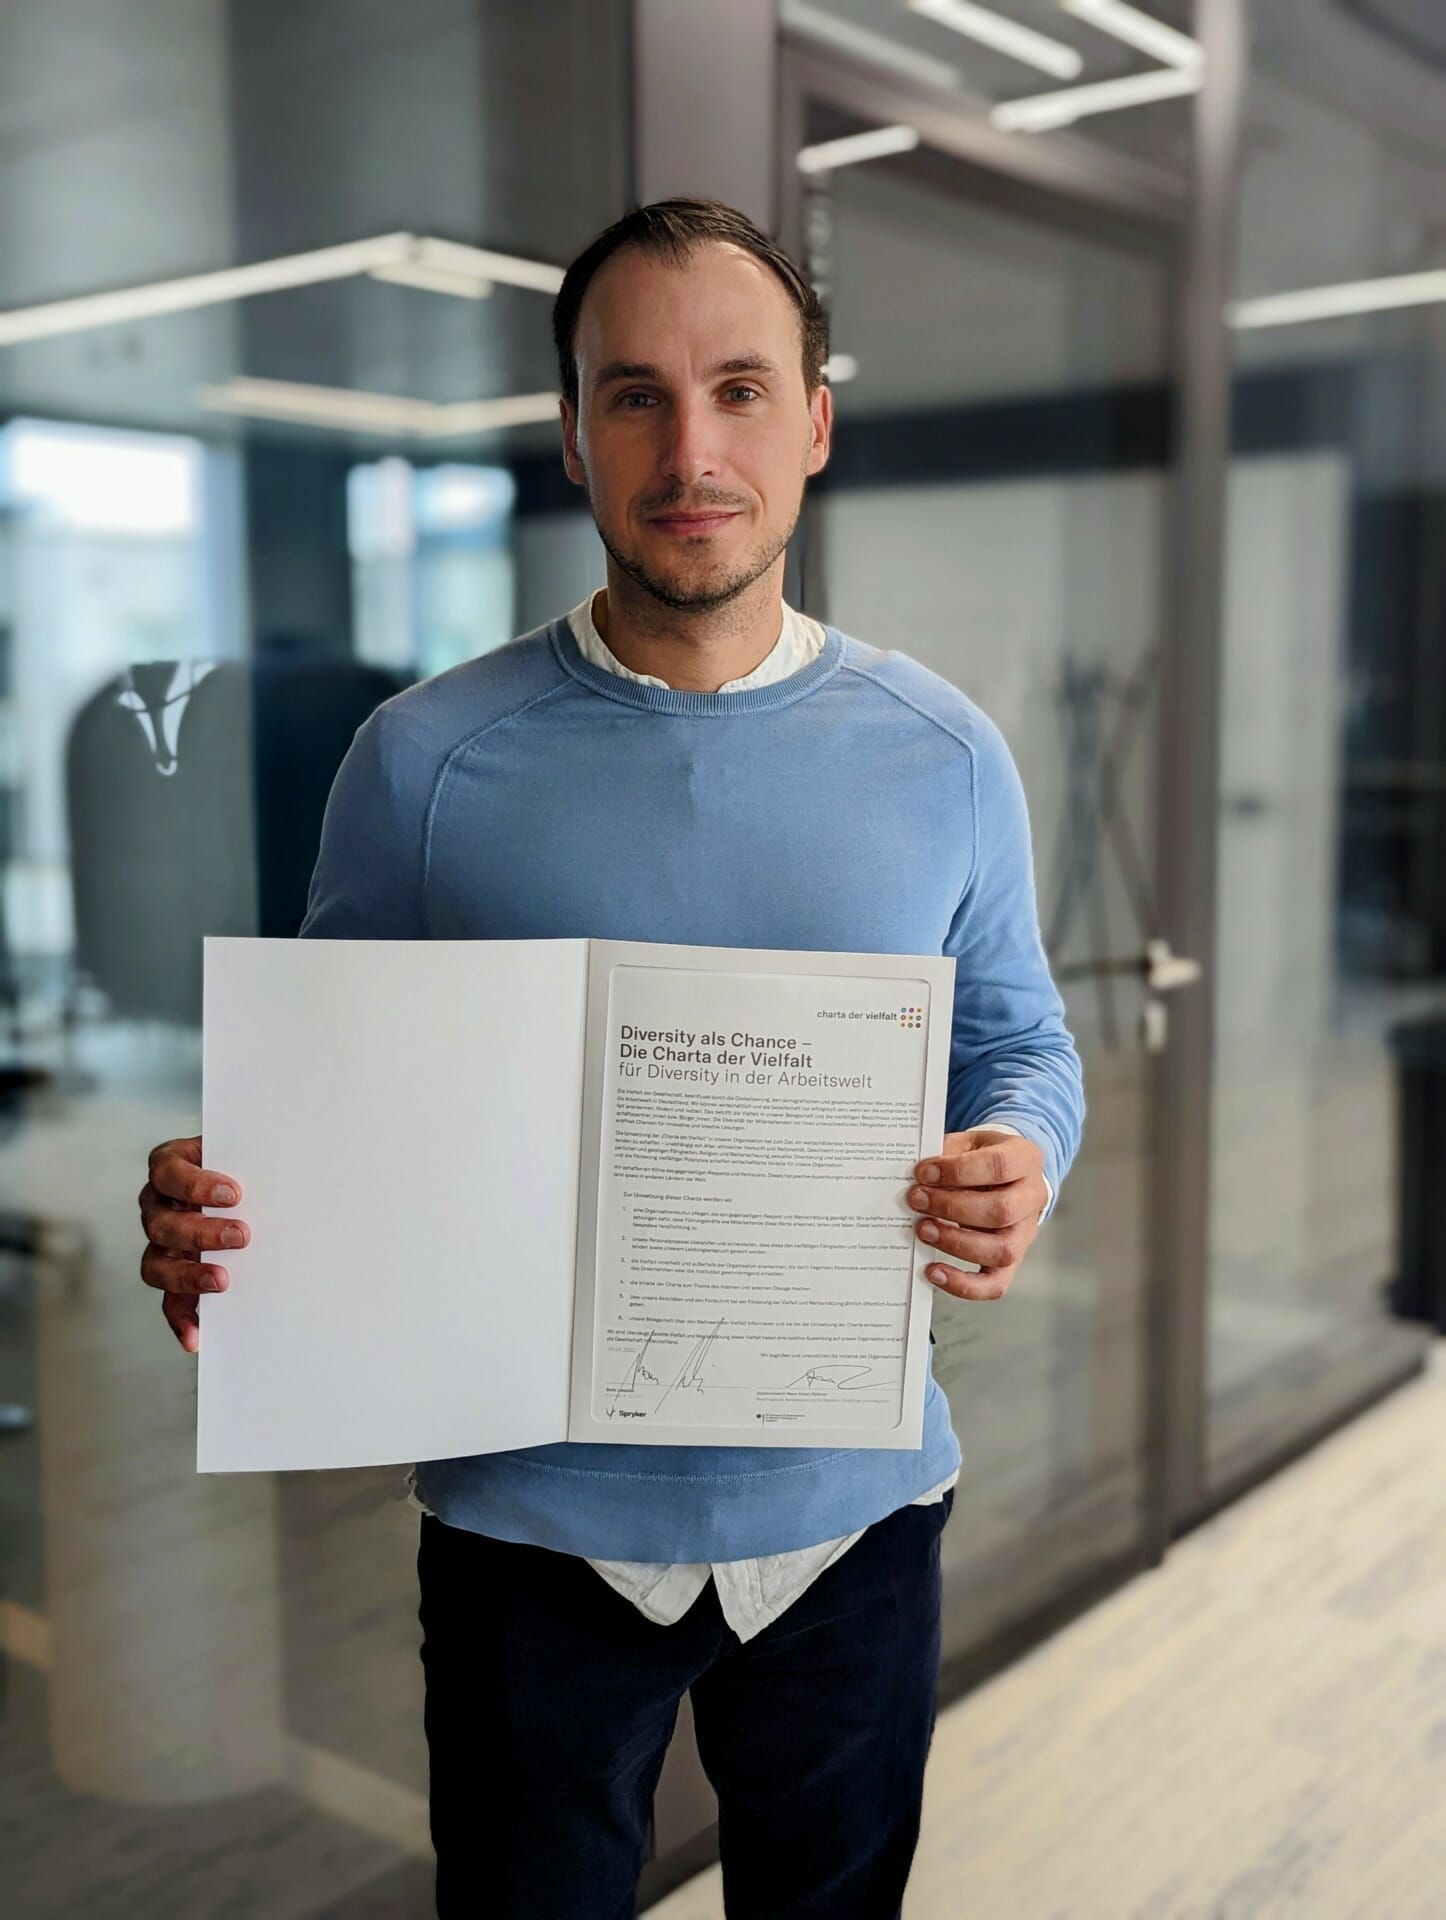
(1001, 505)
(1330, 962)
(233, 516)
(996, 506)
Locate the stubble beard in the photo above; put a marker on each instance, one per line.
(700, 598)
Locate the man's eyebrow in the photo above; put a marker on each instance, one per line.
(616, 370)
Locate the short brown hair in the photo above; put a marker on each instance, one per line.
(670, 230)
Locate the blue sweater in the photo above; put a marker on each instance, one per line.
(862, 804)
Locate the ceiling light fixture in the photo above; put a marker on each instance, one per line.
(349, 410)
(154, 297)
(876, 47)
(1333, 303)
(383, 255)
(510, 269)
(1041, 111)
(340, 407)
(1138, 29)
(487, 416)
(411, 273)
(854, 147)
(1004, 36)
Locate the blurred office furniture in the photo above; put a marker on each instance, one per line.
(195, 792)
(1418, 1291)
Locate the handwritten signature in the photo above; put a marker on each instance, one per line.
(822, 1376)
(689, 1377)
(636, 1372)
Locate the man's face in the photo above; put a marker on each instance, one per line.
(665, 427)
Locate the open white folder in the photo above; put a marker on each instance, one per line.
(508, 1192)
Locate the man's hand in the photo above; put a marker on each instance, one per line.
(178, 1232)
(980, 1199)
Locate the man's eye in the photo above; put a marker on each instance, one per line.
(626, 397)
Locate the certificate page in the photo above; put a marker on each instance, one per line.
(748, 1273)
(402, 1116)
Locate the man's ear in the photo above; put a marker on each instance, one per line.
(820, 410)
(571, 463)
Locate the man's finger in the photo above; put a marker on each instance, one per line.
(992, 1250)
(188, 1146)
(177, 1179)
(185, 1231)
(972, 1286)
(994, 1164)
(183, 1319)
(174, 1273)
(993, 1208)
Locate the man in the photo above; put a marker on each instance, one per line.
(683, 757)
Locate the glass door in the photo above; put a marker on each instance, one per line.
(1329, 987)
(997, 506)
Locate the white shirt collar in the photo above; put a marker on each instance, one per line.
(800, 640)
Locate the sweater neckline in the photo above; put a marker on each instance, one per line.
(634, 693)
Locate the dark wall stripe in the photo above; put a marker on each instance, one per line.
(1105, 430)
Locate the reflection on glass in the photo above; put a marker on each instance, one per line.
(995, 508)
(211, 1687)
(432, 566)
(1097, 74)
(104, 535)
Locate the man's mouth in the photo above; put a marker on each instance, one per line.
(692, 522)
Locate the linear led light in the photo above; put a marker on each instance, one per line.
(384, 254)
(411, 273)
(1330, 303)
(351, 411)
(854, 147)
(486, 416)
(453, 256)
(1044, 110)
(1004, 36)
(1138, 30)
(199, 289)
(882, 51)
(316, 406)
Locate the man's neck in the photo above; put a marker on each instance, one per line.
(696, 654)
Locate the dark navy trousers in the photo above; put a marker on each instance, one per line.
(550, 1700)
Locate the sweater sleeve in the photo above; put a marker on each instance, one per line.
(368, 880)
(1011, 1057)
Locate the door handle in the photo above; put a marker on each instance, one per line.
(1166, 972)
(1161, 970)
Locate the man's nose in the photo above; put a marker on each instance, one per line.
(690, 448)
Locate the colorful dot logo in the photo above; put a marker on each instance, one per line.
(911, 1016)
